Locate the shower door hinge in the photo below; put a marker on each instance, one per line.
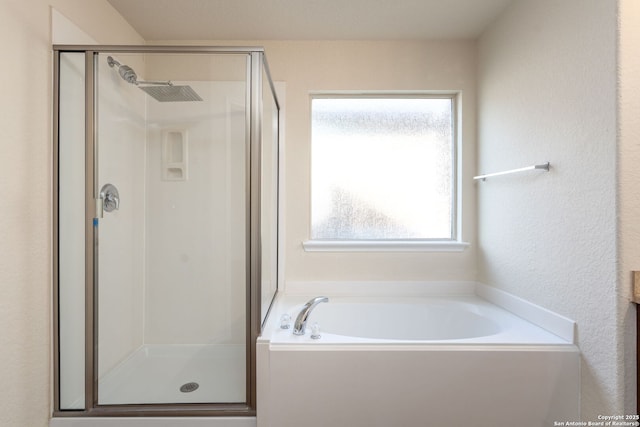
(99, 208)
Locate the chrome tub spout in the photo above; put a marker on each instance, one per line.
(301, 320)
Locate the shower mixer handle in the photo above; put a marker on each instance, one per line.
(110, 198)
(111, 203)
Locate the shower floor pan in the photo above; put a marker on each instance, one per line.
(212, 373)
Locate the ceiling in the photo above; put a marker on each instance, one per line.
(309, 19)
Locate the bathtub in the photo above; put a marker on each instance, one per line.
(412, 320)
(416, 361)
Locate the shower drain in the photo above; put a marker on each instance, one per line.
(189, 387)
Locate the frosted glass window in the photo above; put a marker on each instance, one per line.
(382, 168)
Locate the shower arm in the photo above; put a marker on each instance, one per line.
(155, 83)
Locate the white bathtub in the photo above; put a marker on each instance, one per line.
(434, 361)
(413, 320)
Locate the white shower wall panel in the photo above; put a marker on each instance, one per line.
(121, 161)
(196, 227)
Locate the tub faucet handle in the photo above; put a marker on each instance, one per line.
(315, 332)
(285, 321)
(301, 320)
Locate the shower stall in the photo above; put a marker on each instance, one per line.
(165, 228)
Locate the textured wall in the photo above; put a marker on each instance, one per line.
(547, 92)
(25, 179)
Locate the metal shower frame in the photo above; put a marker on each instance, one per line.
(256, 64)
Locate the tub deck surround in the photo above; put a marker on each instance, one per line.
(489, 297)
(402, 388)
(379, 362)
(418, 321)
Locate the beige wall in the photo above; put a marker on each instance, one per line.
(369, 66)
(25, 180)
(547, 92)
(308, 66)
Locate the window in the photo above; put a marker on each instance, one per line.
(383, 168)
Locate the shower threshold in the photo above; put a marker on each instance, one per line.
(185, 373)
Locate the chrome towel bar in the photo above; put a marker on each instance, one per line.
(545, 167)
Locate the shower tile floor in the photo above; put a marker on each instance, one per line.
(155, 373)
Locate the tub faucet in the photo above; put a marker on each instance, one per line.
(301, 320)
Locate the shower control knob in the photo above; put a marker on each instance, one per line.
(111, 203)
(110, 198)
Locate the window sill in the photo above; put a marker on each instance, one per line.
(382, 246)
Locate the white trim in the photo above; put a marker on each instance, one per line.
(379, 288)
(383, 246)
(281, 93)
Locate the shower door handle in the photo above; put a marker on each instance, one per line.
(110, 199)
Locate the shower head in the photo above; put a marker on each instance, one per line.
(171, 93)
(128, 74)
(162, 91)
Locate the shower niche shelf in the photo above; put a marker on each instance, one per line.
(174, 155)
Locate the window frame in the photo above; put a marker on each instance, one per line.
(452, 244)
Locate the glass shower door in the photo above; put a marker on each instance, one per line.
(172, 253)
